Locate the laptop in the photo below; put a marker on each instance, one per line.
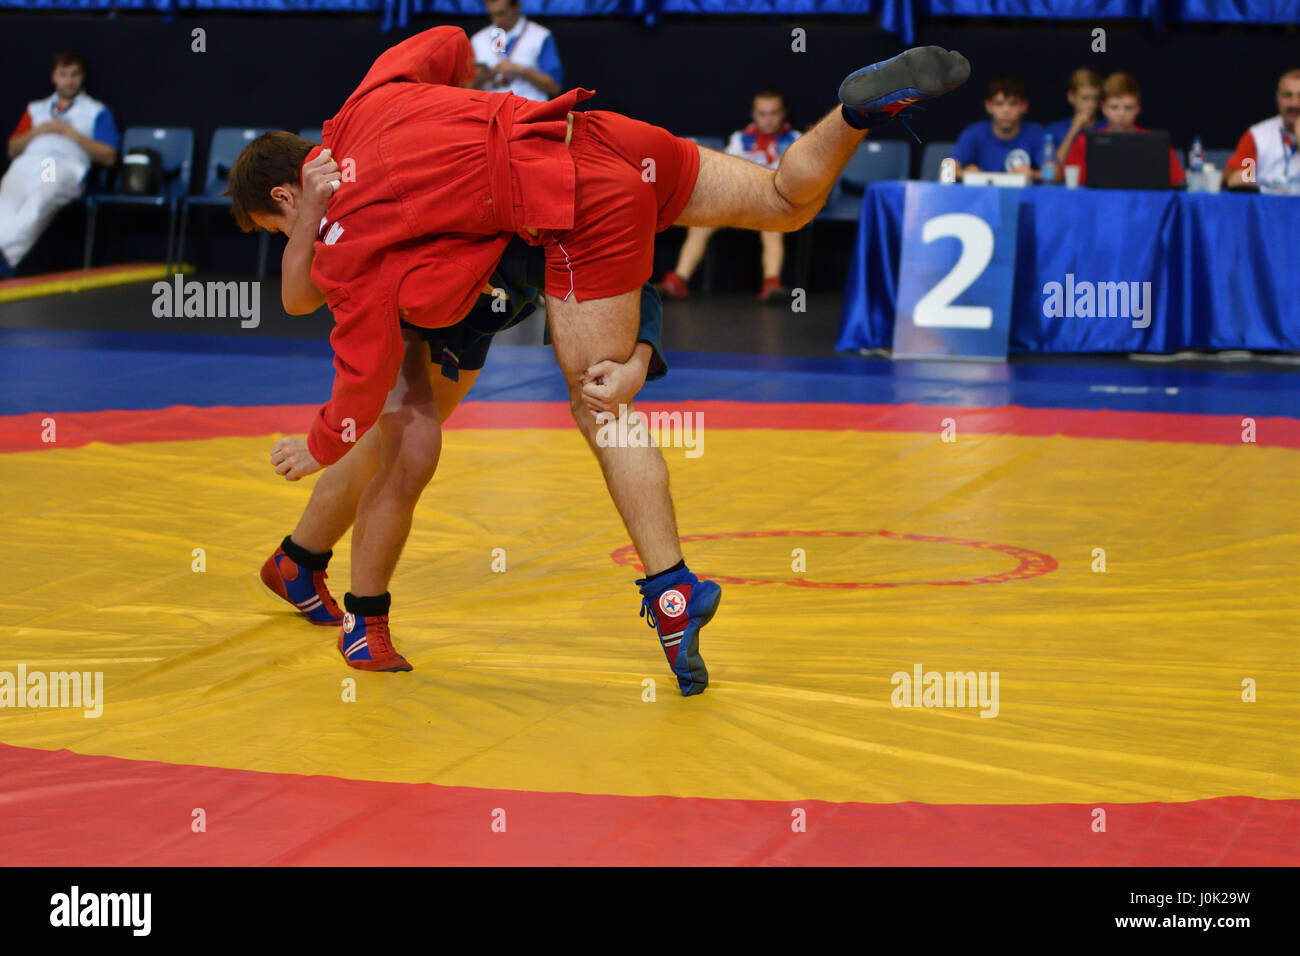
(1128, 160)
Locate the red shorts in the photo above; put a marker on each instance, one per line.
(620, 202)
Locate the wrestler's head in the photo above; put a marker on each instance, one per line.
(265, 185)
(69, 74)
(768, 112)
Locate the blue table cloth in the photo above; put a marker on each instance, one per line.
(1224, 268)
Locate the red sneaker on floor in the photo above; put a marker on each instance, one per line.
(366, 645)
(673, 286)
(304, 589)
(772, 290)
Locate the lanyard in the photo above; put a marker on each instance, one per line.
(509, 51)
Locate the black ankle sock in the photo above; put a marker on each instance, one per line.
(853, 119)
(308, 559)
(367, 606)
(679, 566)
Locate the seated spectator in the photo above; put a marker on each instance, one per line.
(1121, 102)
(516, 54)
(762, 141)
(1085, 97)
(1003, 143)
(1271, 144)
(51, 151)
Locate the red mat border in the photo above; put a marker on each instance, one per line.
(59, 808)
(187, 422)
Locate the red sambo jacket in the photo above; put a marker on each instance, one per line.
(436, 179)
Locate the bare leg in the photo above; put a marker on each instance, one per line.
(730, 191)
(333, 503)
(583, 334)
(337, 494)
(773, 253)
(697, 240)
(410, 442)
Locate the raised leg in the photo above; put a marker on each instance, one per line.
(731, 191)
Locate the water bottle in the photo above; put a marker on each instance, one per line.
(1048, 163)
(1196, 166)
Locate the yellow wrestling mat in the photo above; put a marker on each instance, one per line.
(1122, 685)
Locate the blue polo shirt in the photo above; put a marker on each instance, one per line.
(977, 144)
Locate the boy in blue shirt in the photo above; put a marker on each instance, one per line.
(1003, 143)
(1085, 98)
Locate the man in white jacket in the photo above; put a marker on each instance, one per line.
(50, 153)
(1267, 155)
(516, 54)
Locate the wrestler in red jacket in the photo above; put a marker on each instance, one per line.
(436, 178)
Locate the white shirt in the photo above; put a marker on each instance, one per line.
(85, 114)
(527, 44)
(1277, 162)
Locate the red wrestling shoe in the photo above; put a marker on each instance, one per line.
(366, 644)
(303, 588)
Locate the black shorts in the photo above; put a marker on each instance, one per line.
(464, 346)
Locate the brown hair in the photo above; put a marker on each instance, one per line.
(770, 94)
(1083, 78)
(273, 159)
(1121, 84)
(1012, 87)
(69, 58)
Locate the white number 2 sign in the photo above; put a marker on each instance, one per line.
(935, 308)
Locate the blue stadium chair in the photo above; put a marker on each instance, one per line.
(227, 141)
(710, 142)
(1219, 157)
(875, 161)
(176, 146)
(312, 133)
(933, 157)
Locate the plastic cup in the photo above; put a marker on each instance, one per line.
(1071, 177)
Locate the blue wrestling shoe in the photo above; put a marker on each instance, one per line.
(678, 605)
(367, 644)
(876, 94)
(302, 587)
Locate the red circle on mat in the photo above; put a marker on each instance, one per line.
(1029, 564)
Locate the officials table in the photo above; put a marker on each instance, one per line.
(1223, 268)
